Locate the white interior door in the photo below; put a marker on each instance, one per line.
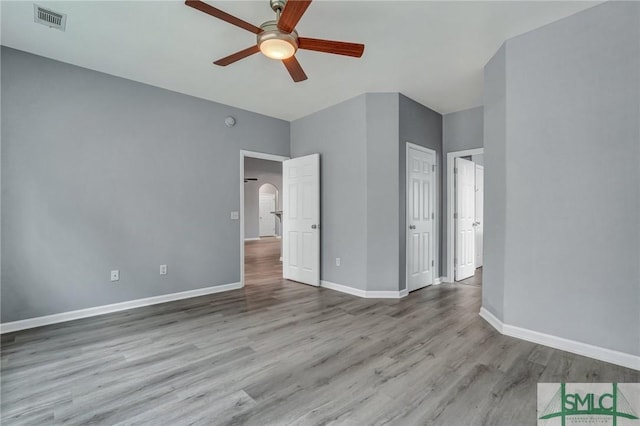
(301, 219)
(266, 219)
(479, 222)
(420, 218)
(465, 217)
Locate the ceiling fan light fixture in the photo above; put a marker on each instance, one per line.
(277, 49)
(276, 44)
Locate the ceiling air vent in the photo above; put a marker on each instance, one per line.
(49, 18)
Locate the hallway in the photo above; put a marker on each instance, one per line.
(262, 261)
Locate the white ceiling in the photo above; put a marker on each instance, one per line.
(431, 51)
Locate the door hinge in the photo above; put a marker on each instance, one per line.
(455, 170)
(433, 263)
(455, 215)
(433, 215)
(433, 167)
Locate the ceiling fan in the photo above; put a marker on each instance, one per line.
(278, 39)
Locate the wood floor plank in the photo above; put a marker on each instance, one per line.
(279, 352)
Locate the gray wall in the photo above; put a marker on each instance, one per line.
(382, 161)
(102, 173)
(421, 126)
(1, 150)
(267, 172)
(495, 197)
(339, 134)
(461, 130)
(478, 159)
(572, 174)
(362, 146)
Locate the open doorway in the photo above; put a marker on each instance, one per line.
(465, 215)
(260, 212)
(297, 196)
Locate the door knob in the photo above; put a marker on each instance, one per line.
(315, 226)
(412, 227)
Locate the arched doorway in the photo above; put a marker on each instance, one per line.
(268, 203)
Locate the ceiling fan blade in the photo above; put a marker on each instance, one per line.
(237, 56)
(217, 13)
(293, 11)
(294, 68)
(330, 46)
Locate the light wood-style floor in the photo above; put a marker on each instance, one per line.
(475, 279)
(278, 352)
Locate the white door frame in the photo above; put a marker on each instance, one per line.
(451, 244)
(436, 240)
(243, 155)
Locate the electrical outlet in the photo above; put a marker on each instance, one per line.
(337, 261)
(235, 215)
(163, 269)
(115, 275)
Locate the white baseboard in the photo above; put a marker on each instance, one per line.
(386, 294)
(575, 347)
(252, 239)
(364, 293)
(491, 319)
(440, 280)
(115, 307)
(343, 288)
